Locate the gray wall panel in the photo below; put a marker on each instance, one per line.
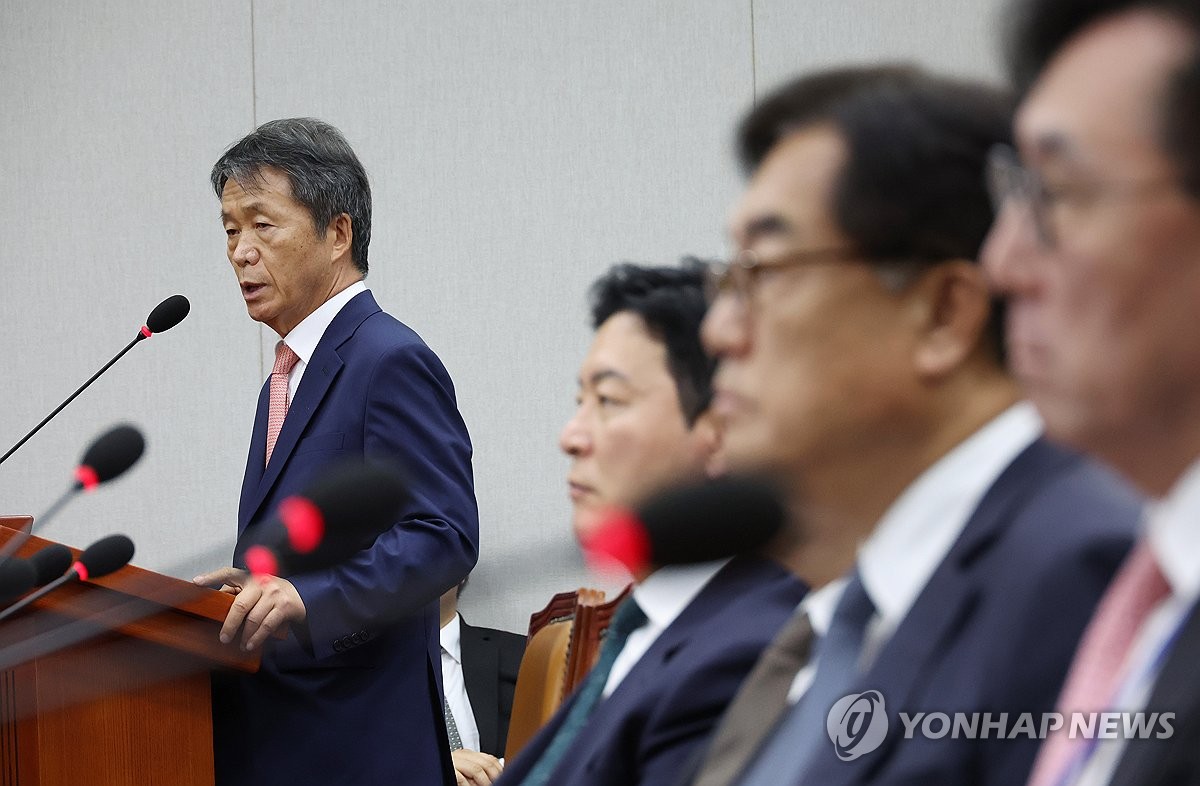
(956, 36)
(117, 110)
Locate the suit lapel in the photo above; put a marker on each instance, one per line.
(906, 662)
(324, 366)
(481, 675)
(254, 461)
(1176, 690)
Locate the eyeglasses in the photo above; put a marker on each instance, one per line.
(739, 276)
(1009, 179)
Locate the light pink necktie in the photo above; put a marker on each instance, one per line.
(285, 360)
(1096, 672)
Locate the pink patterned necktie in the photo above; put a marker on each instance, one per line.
(1096, 672)
(285, 361)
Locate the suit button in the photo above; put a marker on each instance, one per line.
(337, 645)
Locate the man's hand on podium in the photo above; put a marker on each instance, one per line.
(264, 605)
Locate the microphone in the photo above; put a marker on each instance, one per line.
(99, 559)
(17, 576)
(340, 514)
(108, 457)
(165, 316)
(50, 563)
(688, 524)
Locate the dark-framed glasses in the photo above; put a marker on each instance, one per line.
(739, 276)
(1009, 180)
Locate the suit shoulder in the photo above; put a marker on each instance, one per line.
(1084, 501)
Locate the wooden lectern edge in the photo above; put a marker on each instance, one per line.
(147, 605)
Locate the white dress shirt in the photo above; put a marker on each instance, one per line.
(303, 338)
(663, 596)
(455, 686)
(919, 528)
(1172, 527)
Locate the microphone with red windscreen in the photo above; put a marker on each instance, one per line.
(689, 524)
(339, 515)
(99, 559)
(109, 456)
(165, 316)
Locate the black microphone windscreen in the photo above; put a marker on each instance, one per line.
(712, 520)
(356, 501)
(16, 577)
(168, 313)
(115, 451)
(106, 555)
(50, 563)
(362, 497)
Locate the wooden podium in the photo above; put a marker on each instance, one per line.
(107, 681)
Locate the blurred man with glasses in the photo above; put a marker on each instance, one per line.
(1097, 251)
(954, 554)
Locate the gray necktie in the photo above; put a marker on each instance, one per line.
(451, 727)
(795, 744)
(758, 705)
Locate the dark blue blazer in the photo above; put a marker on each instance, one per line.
(1174, 761)
(354, 695)
(669, 703)
(996, 626)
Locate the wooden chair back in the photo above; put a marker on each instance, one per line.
(563, 644)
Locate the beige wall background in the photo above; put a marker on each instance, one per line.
(516, 150)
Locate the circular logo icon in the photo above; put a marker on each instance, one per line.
(857, 724)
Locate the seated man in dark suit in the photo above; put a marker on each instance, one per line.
(678, 648)
(954, 554)
(479, 676)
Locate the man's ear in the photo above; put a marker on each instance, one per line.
(341, 232)
(952, 306)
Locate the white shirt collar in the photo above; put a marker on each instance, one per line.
(820, 604)
(665, 593)
(1173, 530)
(451, 635)
(303, 338)
(919, 528)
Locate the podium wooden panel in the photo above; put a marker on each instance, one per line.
(107, 681)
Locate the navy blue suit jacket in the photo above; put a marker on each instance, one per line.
(669, 703)
(353, 696)
(1174, 761)
(996, 626)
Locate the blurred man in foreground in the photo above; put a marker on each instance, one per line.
(1097, 250)
(954, 555)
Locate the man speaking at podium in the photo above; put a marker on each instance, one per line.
(351, 695)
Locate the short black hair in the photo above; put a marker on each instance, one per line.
(1040, 28)
(325, 174)
(912, 188)
(671, 302)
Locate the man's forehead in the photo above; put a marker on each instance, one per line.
(790, 190)
(256, 184)
(1102, 92)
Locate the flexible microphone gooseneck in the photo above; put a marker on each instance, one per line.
(165, 316)
(109, 456)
